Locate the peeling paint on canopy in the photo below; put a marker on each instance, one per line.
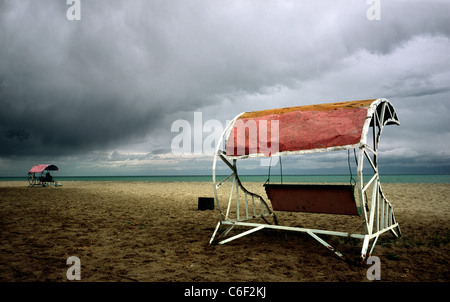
(302, 129)
(317, 107)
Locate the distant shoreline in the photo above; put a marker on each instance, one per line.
(390, 178)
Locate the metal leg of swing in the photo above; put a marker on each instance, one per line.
(364, 249)
(219, 224)
(215, 232)
(328, 246)
(242, 234)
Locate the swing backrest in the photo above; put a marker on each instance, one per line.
(313, 198)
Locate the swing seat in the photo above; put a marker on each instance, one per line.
(313, 198)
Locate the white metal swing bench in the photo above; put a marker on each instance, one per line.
(301, 130)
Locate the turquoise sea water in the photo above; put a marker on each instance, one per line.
(253, 178)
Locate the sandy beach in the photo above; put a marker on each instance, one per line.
(153, 231)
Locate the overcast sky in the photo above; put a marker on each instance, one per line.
(98, 96)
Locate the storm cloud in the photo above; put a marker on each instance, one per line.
(102, 92)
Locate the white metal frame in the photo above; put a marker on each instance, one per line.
(376, 212)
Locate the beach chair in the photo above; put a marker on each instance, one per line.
(300, 130)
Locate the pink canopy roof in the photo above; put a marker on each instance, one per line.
(40, 168)
(304, 128)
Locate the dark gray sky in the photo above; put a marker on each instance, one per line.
(98, 96)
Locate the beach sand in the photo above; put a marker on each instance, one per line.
(153, 231)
